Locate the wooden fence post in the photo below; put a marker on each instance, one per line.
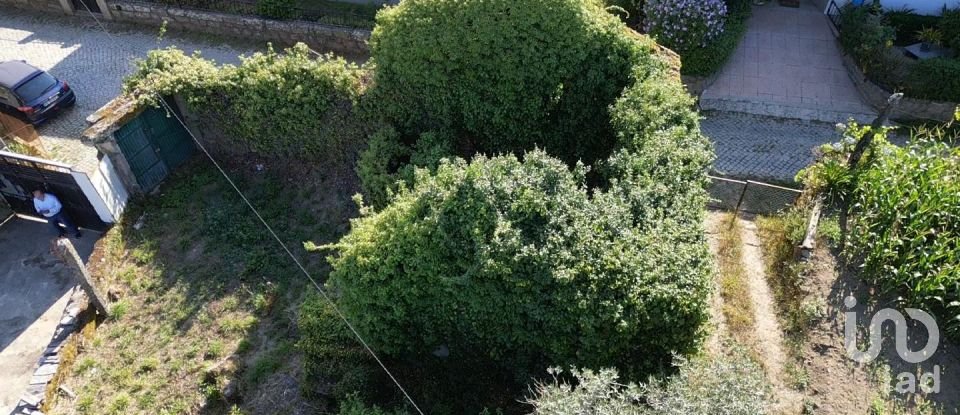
(68, 255)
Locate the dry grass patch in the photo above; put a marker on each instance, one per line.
(205, 293)
(734, 288)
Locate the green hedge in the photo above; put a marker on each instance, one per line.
(710, 59)
(288, 104)
(500, 77)
(937, 79)
(516, 262)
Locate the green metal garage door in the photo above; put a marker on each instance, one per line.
(154, 145)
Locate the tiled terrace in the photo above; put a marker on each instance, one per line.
(788, 65)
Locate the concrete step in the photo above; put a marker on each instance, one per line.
(830, 112)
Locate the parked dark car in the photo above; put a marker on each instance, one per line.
(32, 94)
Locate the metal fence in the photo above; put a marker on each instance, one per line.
(833, 12)
(347, 14)
(750, 196)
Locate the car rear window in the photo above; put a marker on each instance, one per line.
(34, 88)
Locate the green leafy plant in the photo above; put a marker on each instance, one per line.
(937, 79)
(903, 231)
(930, 36)
(950, 26)
(277, 9)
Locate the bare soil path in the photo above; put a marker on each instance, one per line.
(768, 334)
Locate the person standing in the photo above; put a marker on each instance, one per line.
(49, 206)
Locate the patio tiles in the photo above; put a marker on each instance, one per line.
(788, 56)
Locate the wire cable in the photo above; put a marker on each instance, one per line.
(269, 228)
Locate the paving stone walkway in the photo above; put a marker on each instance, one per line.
(77, 50)
(761, 147)
(788, 65)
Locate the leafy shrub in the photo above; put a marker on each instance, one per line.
(513, 261)
(710, 58)
(731, 385)
(903, 230)
(937, 79)
(355, 406)
(282, 105)
(864, 36)
(505, 76)
(683, 25)
(950, 26)
(277, 9)
(906, 24)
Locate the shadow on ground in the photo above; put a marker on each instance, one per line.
(33, 293)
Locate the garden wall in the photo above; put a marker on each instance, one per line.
(342, 40)
(908, 108)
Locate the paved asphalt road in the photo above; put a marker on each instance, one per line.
(34, 289)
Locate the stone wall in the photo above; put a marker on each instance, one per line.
(344, 41)
(908, 108)
(49, 6)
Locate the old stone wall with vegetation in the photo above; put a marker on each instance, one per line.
(343, 40)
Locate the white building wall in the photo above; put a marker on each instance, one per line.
(108, 186)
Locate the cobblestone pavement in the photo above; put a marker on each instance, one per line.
(764, 148)
(77, 50)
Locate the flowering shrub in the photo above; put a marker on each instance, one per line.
(684, 24)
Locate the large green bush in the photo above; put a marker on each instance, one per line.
(288, 104)
(502, 75)
(514, 261)
(950, 27)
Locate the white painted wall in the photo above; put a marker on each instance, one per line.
(93, 197)
(110, 188)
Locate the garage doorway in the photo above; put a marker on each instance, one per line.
(154, 144)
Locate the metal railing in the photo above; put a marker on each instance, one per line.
(750, 196)
(833, 13)
(349, 15)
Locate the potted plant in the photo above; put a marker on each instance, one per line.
(929, 36)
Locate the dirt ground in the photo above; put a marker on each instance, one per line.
(835, 383)
(838, 385)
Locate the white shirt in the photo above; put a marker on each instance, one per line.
(49, 203)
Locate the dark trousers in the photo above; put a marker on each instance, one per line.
(61, 218)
